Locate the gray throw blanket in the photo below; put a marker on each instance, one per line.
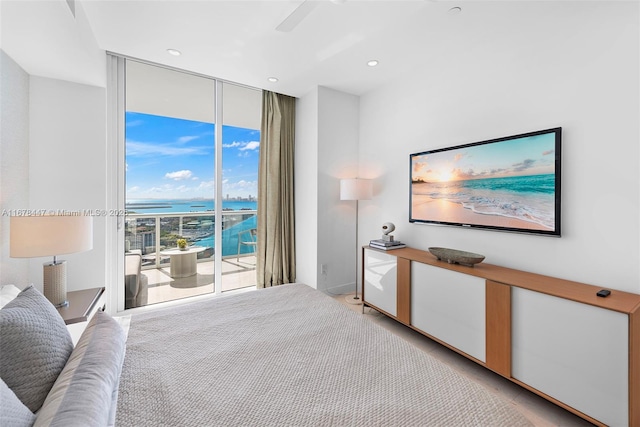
(289, 356)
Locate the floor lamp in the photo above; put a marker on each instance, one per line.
(51, 235)
(356, 189)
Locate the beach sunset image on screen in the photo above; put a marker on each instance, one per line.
(511, 183)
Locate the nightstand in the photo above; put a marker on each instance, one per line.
(82, 306)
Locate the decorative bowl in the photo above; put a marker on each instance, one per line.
(454, 256)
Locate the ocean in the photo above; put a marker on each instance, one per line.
(528, 198)
(160, 206)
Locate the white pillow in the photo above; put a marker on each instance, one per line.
(7, 293)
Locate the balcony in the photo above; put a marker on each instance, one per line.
(154, 234)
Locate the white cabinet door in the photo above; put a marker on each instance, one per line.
(573, 352)
(449, 306)
(380, 280)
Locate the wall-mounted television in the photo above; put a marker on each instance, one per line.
(506, 184)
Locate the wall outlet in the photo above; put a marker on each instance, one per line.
(324, 269)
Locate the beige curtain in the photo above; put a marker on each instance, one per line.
(276, 263)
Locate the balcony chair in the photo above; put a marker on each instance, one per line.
(135, 283)
(249, 238)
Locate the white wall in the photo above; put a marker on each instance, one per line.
(306, 187)
(53, 132)
(48, 40)
(67, 169)
(14, 162)
(581, 72)
(326, 151)
(337, 158)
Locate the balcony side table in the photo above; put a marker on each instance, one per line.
(183, 263)
(83, 304)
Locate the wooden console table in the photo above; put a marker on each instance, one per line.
(554, 337)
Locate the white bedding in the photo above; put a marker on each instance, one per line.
(289, 355)
(8, 293)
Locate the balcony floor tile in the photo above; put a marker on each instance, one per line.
(236, 274)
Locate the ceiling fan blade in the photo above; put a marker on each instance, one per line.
(299, 13)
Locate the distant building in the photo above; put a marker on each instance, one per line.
(145, 241)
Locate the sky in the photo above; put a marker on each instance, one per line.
(534, 155)
(169, 158)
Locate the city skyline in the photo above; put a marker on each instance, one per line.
(227, 197)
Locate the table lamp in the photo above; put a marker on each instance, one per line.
(51, 235)
(356, 189)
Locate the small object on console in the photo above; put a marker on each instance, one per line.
(454, 256)
(387, 228)
(604, 293)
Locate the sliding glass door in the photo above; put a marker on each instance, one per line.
(240, 133)
(178, 164)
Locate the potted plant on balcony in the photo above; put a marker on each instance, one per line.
(182, 244)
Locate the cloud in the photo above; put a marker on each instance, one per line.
(252, 145)
(459, 174)
(142, 149)
(421, 170)
(240, 185)
(184, 139)
(243, 146)
(207, 185)
(179, 175)
(525, 164)
(241, 188)
(134, 123)
(232, 145)
(162, 189)
(420, 167)
(244, 184)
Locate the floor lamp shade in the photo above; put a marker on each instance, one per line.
(51, 235)
(356, 189)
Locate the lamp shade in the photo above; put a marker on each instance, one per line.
(356, 189)
(49, 235)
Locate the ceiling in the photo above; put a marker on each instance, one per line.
(231, 40)
(238, 41)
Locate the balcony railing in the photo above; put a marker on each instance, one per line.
(152, 233)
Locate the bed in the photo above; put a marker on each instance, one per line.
(288, 355)
(282, 356)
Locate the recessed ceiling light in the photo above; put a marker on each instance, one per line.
(372, 63)
(273, 79)
(455, 10)
(174, 52)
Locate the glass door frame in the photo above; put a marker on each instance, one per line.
(116, 191)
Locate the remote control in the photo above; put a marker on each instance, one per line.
(604, 293)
